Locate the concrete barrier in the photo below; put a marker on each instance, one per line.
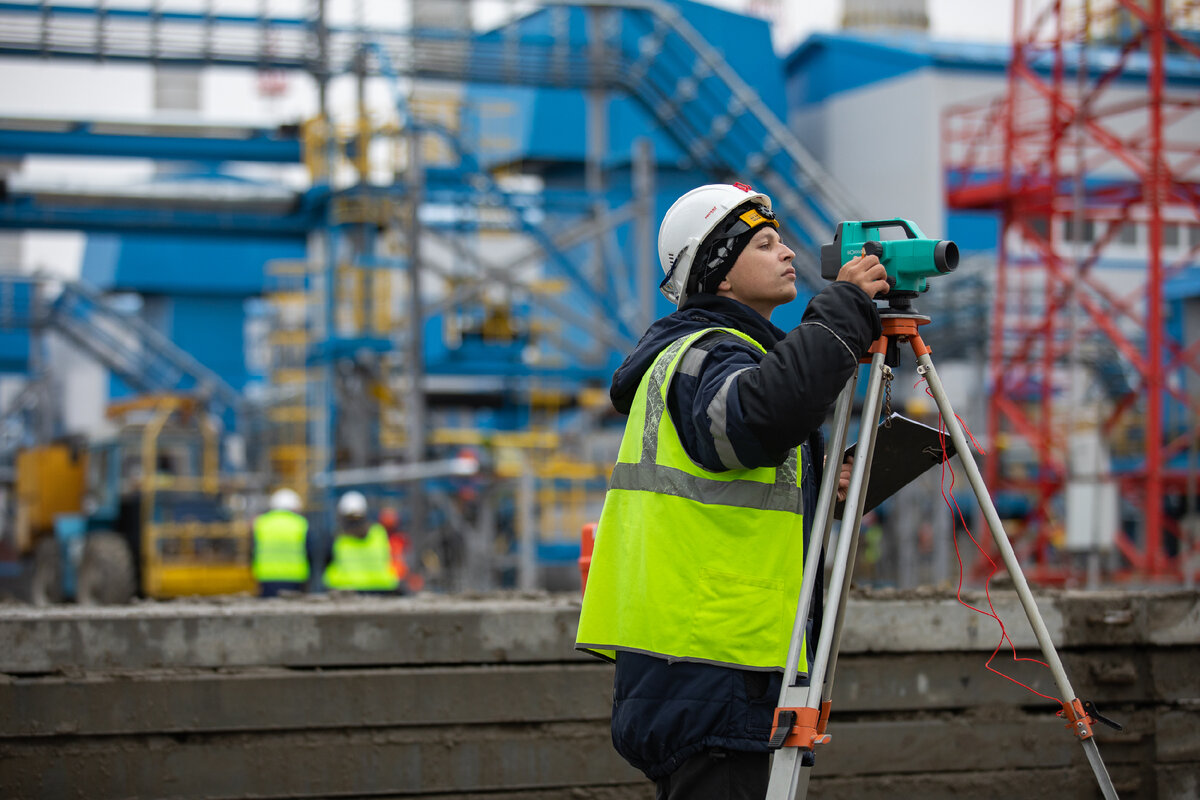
(474, 697)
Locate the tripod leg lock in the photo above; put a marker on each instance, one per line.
(1080, 715)
(799, 727)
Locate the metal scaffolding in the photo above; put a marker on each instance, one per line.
(1092, 160)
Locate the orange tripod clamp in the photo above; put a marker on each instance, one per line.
(1081, 714)
(799, 727)
(1077, 719)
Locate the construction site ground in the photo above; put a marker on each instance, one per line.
(484, 697)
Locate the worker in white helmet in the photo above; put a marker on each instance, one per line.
(281, 546)
(361, 557)
(700, 548)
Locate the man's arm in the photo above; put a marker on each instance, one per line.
(797, 383)
(744, 409)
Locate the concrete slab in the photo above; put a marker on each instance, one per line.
(307, 632)
(468, 698)
(1068, 783)
(266, 700)
(359, 762)
(1112, 617)
(983, 739)
(887, 682)
(939, 623)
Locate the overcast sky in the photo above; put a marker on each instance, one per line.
(966, 20)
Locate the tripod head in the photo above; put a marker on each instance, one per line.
(900, 304)
(900, 321)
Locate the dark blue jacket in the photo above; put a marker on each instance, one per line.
(664, 712)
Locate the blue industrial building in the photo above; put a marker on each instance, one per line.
(571, 131)
(539, 286)
(195, 266)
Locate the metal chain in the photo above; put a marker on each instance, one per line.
(887, 395)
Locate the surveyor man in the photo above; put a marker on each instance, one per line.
(361, 559)
(699, 552)
(281, 551)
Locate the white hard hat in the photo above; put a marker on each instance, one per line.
(352, 504)
(688, 222)
(285, 500)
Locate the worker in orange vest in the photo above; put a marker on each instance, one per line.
(410, 581)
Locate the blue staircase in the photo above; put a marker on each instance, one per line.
(715, 117)
(141, 356)
(138, 354)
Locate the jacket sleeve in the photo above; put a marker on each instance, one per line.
(743, 409)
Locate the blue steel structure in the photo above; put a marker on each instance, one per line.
(650, 51)
(618, 108)
(131, 349)
(194, 143)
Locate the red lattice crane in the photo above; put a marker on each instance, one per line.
(1092, 161)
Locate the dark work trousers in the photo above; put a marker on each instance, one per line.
(274, 588)
(718, 775)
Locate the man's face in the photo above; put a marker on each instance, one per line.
(762, 277)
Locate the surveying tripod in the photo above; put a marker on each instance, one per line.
(803, 711)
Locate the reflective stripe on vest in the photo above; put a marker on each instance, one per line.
(690, 564)
(362, 564)
(279, 551)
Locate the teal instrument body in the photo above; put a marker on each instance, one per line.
(909, 261)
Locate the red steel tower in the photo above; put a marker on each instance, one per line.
(1092, 161)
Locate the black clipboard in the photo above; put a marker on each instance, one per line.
(904, 449)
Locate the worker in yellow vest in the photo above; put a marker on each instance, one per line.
(361, 558)
(281, 549)
(699, 552)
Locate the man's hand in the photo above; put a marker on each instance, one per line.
(844, 475)
(866, 273)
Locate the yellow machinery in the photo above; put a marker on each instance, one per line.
(49, 481)
(150, 507)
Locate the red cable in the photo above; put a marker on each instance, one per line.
(952, 504)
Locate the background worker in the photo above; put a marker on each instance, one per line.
(361, 557)
(699, 553)
(281, 551)
(389, 518)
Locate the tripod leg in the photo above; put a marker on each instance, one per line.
(821, 524)
(789, 778)
(925, 367)
(786, 762)
(856, 497)
(835, 609)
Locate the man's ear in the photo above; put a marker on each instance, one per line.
(724, 285)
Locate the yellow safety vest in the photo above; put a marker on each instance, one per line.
(363, 565)
(693, 565)
(279, 552)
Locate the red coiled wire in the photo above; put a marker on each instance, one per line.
(952, 504)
